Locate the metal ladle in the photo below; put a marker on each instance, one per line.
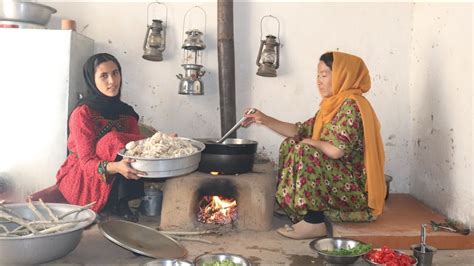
(236, 126)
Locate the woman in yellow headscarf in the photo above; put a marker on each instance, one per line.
(332, 165)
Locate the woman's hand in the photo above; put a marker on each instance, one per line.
(308, 141)
(280, 127)
(124, 168)
(325, 147)
(255, 117)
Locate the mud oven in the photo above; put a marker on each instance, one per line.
(249, 200)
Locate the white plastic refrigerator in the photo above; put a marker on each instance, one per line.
(40, 81)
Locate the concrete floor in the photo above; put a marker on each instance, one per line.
(261, 248)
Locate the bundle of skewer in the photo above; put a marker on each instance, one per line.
(41, 225)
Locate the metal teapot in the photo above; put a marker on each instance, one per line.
(190, 83)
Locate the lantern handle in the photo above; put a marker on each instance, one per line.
(270, 16)
(159, 3)
(205, 21)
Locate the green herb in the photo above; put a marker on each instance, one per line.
(357, 250)
(221, 263)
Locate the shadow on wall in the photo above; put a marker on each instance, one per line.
(7, 188)
(431, 180)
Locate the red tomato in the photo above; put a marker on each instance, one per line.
(386, 249)
(375, 256)
(390, 257)
(392, 263)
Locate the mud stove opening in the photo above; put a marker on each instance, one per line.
(201, 201)
(217, 202)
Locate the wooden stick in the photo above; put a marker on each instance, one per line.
(35, 211)
(85, 207)
(57, 228)
(16, 220)
(48, 224)
(12, 213)
(4, 228)
(50, 212)
(190, 233)
(192, 239)
(28, 227)
(21, 232)
(60, 222)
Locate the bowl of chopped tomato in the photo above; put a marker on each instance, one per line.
(389, 257)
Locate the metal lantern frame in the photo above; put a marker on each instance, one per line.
(191, 83)
(198, 53)
(268, 70)
(150, 53)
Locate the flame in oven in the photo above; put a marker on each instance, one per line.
(217, 210)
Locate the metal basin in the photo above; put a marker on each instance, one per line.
(168, 262)
(321, 246)
(39, 249)
(397, 253)
(212, 259)
(25, 12)
(168, 167)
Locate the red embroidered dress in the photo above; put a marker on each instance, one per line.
(92, 139)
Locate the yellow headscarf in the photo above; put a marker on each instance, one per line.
(350, 78)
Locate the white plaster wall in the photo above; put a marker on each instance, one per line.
(378, 32)
(441, 72)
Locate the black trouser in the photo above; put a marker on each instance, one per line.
(125, 190)
(314, 217)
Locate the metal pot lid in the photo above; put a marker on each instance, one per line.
(142, 239)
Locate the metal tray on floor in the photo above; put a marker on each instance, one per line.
(142, 239)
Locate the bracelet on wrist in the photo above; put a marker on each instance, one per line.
(102, 170)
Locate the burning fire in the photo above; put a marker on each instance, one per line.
(217, 210)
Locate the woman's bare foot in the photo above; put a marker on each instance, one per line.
(303, 230)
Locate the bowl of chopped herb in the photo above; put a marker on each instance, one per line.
(337, 250)
(221, 259)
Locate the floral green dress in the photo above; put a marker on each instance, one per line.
(310, 180)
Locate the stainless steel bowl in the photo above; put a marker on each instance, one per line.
(165, 262)
(365, 257)
(42, 248)
(168, 167)
(329, 244)
(25, 12)
(210, 258)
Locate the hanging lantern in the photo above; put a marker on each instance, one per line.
(193, 46)
(268, 59)
(155, 42)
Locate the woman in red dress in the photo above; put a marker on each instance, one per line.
(99, 126)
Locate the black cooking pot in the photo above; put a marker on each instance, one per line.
(233, 156)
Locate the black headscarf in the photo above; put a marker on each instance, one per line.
(108, 107)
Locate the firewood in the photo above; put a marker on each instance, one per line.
(43, 226)
(178, 238)
(35, 211)
(15, 219)
(85, 207)
(182, 233)
(50, 212)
